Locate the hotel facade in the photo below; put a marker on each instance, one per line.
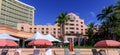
(13, 12)
(73, 27)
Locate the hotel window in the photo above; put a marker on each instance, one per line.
(69, 39)
(71, 24)
(77, 25)
(54, 29)
(81, 30)
(42, 32)
(42, 28)
(22, 28)
(86, 32)
(71, 20)
(81, 22)
(58, 32)
(66, 28)
(74, 17)
(58, 25)
(46, 28)
(35, 30)
(66, 32)
(58, 28)
(66, 24)
(71, 28)
(54, 32)
(47, 32)
(76, 20)
(72, 32)
(81, 25)
(75, 41)
(30, 29)
(77, 28)
(77, 32)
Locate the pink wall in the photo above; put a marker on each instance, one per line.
(74, 25)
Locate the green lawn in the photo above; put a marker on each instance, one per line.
(91, 47)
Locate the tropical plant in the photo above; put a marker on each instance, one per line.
(61, 21)
(107, 20)
(90, 33)
(106, 14)
(91, 30)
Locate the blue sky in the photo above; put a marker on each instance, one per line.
(47, 10)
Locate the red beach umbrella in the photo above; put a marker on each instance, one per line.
(6, 42)
(41, 42)
(107, 43)
(70, 46)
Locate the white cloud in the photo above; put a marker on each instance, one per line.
(93, 14)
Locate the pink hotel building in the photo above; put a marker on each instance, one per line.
(73, 26)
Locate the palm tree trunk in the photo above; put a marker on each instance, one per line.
(63, 32)
(78, 41)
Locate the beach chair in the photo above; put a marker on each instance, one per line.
(77, 52)
(48, 51)
(66, 52)
(94, 52)
(36, 52)
(103, 53)
(4, 52)
(119, 51)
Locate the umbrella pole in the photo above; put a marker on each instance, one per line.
(107, 51)
(35, 47)
(18, 43)
(40, 51)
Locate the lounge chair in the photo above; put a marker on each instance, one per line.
(94, 51)
(66, 52)
(77, 52)
(48, 51)
(36, 52)
(119, 51)
(4, 52)
(102, 52)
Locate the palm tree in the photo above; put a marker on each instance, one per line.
(61, 21)
(91, 30)
(90, 33)
(105, 30)
(117, 7)
(106, 14)
(107, 18)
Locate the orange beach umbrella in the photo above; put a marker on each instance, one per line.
(6, 42)
(40, 42)
(107, 43)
